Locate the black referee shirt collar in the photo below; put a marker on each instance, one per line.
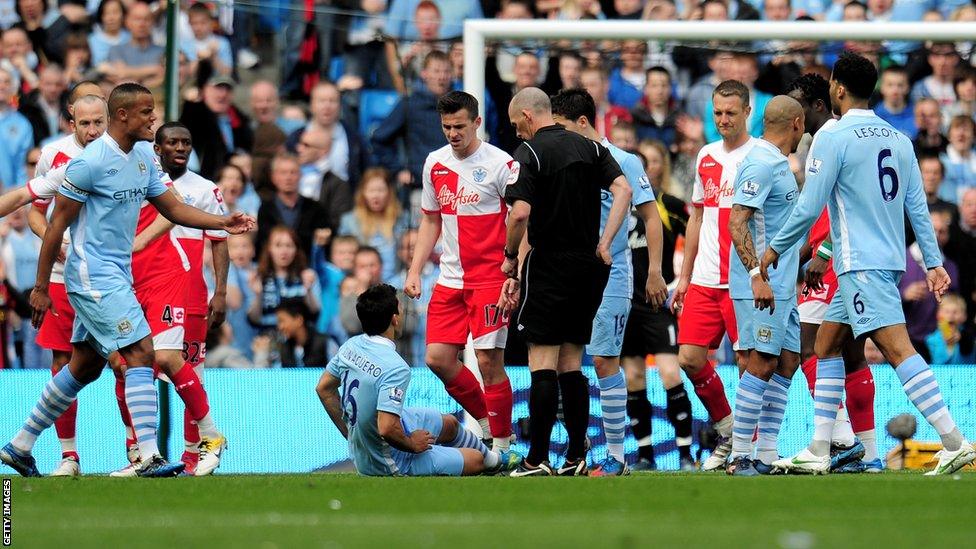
(550, 128)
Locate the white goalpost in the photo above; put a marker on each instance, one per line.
(478, 31)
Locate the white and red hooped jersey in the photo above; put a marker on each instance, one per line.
(200, 193)
(469, 194)
(48, 176)
(713, 190)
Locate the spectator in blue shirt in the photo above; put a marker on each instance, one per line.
(959, 159)
(377, 219)
(18, 137)
(204, 45)
(138, 59)
(894, 107)
(627, 81)
(414, 119)
(108, 30)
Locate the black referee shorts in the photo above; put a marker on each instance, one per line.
(649, 332)
(561, 292)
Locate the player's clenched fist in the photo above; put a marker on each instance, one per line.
(411, 286)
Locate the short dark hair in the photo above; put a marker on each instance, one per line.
(199, 8)
(813, 87)
(895, 69)
(856, 73)
(573, 103)
(124, 95)
(435, 56)
(923, 156)
(294, 307)
(370, 250)
(659, 69)
(160, 132)
(100, 12)
(730, 88)
(376, 307)
(454, 101)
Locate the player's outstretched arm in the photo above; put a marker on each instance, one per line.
(822, 172)
(65, 212)
(13, 199)
(656, 288)
(328, 391)
(621, 191)
(391, 429)
(188, 216)
(427, 234)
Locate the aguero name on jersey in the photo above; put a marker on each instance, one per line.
(621, 282)
(866, 172)
(373, 378)
(765, 183)
(112, 186)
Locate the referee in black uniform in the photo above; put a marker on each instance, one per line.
(555, 189)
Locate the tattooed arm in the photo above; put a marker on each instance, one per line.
(742, 240)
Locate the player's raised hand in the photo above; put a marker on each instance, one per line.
(679, 295)
(768, 258)
(762, 295)
(813, 277)
(656, 290)
(938, 281)
(40, 302)
(422, 440)
(239, 223)
(411, 285)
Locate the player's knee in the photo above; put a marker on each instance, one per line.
(474, 462)
(605, 366)
(492, 367)
(170, 361)
(826, 349)
(444, 366)
(449, 428)
(690, 364)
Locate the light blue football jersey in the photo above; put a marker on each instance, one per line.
(765, 183)
(621, 281)
(374, 378)
(112, 186)
(866, 172)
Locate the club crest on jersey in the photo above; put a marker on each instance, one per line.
(396, 394)
(764, 334)
(479, 175)
(814, 167)
(750, 188)
(124, 327)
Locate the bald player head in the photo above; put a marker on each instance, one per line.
(90, 118)
(530, 110)
(783, 123)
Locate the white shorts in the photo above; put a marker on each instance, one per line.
(169, 340)
(812, 312)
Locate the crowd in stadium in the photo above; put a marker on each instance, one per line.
(328, 155)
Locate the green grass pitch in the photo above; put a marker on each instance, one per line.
(343, 510)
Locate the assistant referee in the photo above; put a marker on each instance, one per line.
(554, 189)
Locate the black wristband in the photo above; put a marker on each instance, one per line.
(509, 255)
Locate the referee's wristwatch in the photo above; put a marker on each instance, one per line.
(510, 255)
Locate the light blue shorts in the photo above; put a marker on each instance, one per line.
(867, 301)
(767, 333)
(110, 322)
(436, 461)
(609, 325)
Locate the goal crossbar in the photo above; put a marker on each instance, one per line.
(477, 31)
